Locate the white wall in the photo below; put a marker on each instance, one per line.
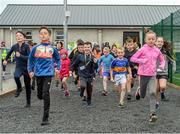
(105, 35)
(112, 36)
(1, 35)
(84, 34)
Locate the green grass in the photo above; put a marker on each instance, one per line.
(176, 79)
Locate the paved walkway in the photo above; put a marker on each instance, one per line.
(70, 114)
(8, 84)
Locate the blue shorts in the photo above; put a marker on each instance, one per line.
(107, 74)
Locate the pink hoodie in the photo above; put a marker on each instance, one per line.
(147, 58)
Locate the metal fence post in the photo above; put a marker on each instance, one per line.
(171, 70)
(1, 69)
(162, 24)
(143, 36)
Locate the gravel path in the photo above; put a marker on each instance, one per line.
(71, 115)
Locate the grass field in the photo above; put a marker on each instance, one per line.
(176, 79)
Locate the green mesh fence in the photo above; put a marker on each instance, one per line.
(169, 28)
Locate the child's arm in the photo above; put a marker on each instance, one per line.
(161, 60)
(129, 72)
(111, 69)
(111, 74)
(8, 55)
(99, 64)
(137, 57)
(75, 63)
(31, 59)
(57, 59)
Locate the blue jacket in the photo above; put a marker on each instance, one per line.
(41, 60)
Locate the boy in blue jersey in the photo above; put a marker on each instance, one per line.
(41, 64)
(119, 68)
(105, 60)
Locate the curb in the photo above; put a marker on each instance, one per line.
(7, 92)
(173, 85)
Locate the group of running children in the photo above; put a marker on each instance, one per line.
(149, 64)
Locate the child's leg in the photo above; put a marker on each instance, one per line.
(143, 85)
(64, 82)
(157, 91)
(162, 87)
(122, 93)
(57, 79)
(105, 80)
(82, 86)
(152, 85)
(162, 84)
(78, 83)
(128, 84)
(89, 92)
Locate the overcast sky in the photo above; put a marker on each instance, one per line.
(3, 3)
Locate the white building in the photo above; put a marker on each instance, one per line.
(94, 23)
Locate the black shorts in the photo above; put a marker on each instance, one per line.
(162, 77)
(134, 72)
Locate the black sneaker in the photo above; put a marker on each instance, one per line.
(89, 103)
(45, 122)
(39, 97)
(153, 118)
(81, 93)
(61, 86)
(128, 97)
(163, 97)
(27, 105)
(20, 90)
(84, 98)
(137, 95)
(157, 106)
(76, 81)
(17, 94)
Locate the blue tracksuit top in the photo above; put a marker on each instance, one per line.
(41, 60)
(106, 62)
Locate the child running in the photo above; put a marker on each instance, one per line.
(106, 61)
(129, 52)
(59, 48)
(87, 64)
(119, 68)
(162, 75)
(64, 71)
(73, 55)
(41, 65)
(147, 57)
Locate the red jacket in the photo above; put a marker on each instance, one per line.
(65, 68)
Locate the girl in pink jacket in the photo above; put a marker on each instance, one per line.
(147, 58)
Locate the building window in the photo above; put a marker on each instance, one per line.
(28, 36)
(133, 35)
(59, 35)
